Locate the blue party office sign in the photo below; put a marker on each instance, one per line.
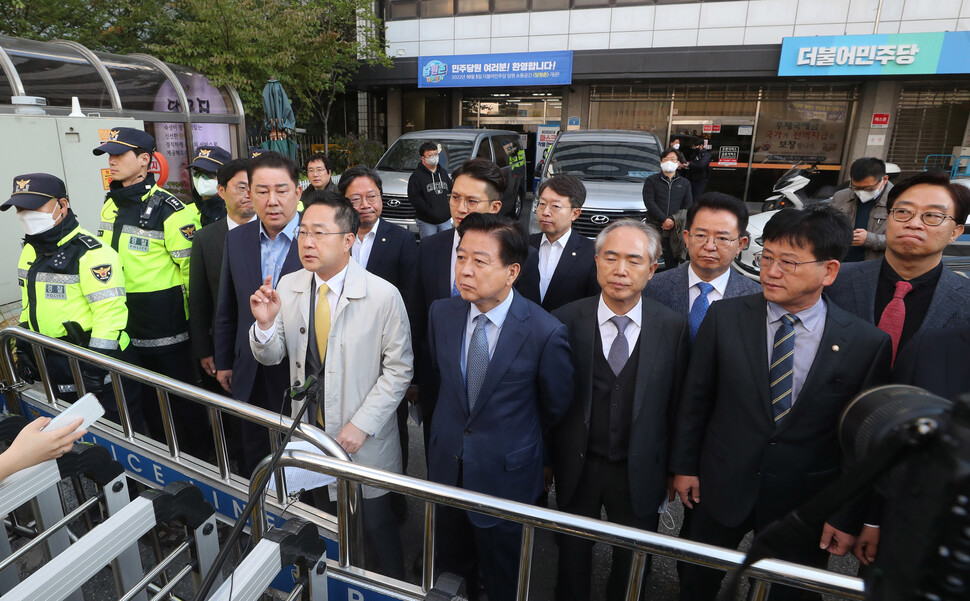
(487, 70)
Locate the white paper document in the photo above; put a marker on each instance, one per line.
(299, 478)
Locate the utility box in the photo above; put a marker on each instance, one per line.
(60, 146)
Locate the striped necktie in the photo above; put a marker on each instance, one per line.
(781, 372)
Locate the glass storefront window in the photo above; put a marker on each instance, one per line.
(510, 6)
(806, 131)
(642, 115)
(737, 108)
(440, 8)
(56, 73)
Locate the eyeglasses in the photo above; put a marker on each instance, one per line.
(932, 218)
(541, 205)
(718, 241)
(372, 199)
(871, 188)
(472, 203)
(785, 266)
(317, 171)
(317, 236)
(241, 189)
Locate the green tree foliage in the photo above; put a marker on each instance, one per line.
(120, 26)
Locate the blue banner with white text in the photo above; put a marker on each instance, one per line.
(487, 70)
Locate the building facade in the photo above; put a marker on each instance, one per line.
(707, 67)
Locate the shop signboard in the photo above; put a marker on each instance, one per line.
(881, 54)
(487, 70)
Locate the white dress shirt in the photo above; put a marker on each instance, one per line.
(608, 329)
(720, 285)
(493, 328)
(362, 247)
(549, 255)
(454, 258)
(336, 288)
(233, 225)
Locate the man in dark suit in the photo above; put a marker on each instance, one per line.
(205, 270)
(382, 248)
(506, 378)
(629, 354)
(266, 247)
(909, 289)
(714, 233)
(477, 188)
(763, 443)
(564, 271)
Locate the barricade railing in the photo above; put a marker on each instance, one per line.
(641, 542)
(351, 547)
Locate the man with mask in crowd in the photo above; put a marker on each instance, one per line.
(864, 203)
(73, 288)
(205, 185)
(428, 190)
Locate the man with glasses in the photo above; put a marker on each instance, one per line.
(386, 250)
(318, 170)
(714, 236)
(565, 270)
(477, 188)
(428, 190)
(263, 248)
(909, 290)
(864, 203)
(769, 377)
(349, 329)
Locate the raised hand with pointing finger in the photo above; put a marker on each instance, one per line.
(265, 304)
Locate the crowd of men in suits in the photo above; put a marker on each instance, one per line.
(559, 359)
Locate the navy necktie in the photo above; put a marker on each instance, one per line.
(699, 309)
(620, 349)
(476, 363)
(781, 373)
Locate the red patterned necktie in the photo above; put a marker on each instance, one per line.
(894, 315)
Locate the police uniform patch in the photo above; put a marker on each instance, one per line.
(55, 292)
(188, 231)
(102, 273)
(138, 244)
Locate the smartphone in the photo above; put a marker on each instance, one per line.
(87, 407)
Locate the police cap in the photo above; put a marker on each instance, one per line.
(210, 159)
(123, 139)
(34, 190)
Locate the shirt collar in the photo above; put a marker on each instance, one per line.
(604, 313)
(336, 283)
(930, 278)
(811, 318)
(561, 241)
(289, 230)
(373, 231)
(233, 225)
(720, 282)
(497, 314)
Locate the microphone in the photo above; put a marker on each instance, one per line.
(295, 393)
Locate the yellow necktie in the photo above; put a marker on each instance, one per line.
(321, 328)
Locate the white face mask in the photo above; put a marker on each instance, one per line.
(36, 222)
(205, 184)
(675, 146)
(669, 166)
(865, 196)
(432, 161)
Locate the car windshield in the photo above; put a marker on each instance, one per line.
(605, 160)
(403, 154)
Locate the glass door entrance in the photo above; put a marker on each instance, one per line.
(729, 140)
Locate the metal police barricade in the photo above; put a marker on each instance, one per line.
(157, 464)
(641, 542)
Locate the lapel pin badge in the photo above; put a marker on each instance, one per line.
(574, 254)
(835, 348)
(383, 239)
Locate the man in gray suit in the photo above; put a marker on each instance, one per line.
(205, 270)
(714, 234)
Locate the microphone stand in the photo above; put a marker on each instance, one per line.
(309, 389)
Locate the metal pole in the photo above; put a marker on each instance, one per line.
(168, 422)
(427, 573)
(635, 581)
(759, 590)
(525, 562)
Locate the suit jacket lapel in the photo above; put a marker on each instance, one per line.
(949, 295)
(300, 287)
(755, 342)
(566, 262)
(253, 263)
(379, 248)
(586, 327)
(864, 288)
(650, 335)
(681, 291)
(515, 330)
(449, 356)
